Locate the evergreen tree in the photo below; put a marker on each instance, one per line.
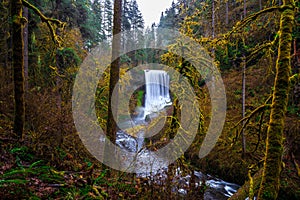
(136, 18)
(98, 20)
(107, 18)
(150, 40)
(85, 22)
(126, 25)
(132, 20)
(137, 24)
(170, 18)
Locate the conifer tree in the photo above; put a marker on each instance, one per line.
(98, 21)
(107, 18)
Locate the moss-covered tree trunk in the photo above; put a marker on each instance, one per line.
(272, 165)
(18, 66)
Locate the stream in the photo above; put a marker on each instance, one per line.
(217, 189)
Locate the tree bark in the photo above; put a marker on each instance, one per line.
(18, 66)
(245, 8)
(213, 19)
(111, 128)
(244, 92)
(58, 82)
(227, 13)
(260, 4)
(25, 39)
(244, 105)
(272, 165)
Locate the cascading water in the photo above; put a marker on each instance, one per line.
(157, 91)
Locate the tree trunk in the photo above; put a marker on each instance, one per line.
(243, 191)
(18, 66)
(244, 92)
(272, 165)
(25, 14)
(213, 20)
(111, 128)
(58, 82)
(260, 4)
(245, 9)
(243, 105)
(227, 13)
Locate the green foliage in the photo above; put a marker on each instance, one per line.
(140, 95)
(68, 57)
(294, 110)
(22, 153)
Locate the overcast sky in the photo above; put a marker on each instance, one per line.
(151, 9)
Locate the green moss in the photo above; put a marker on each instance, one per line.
(272, 165)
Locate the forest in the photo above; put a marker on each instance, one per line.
(204, 104)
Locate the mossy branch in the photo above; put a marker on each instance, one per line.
(294, 79)
(261, 47)
(258, 109)
(253, 17)
(56, 39)
(247, 118)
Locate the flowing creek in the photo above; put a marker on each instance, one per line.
(157, 97)
(217, 188)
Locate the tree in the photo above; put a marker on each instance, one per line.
(274, 144)
(18, 23)
(244, 90)
(5, 38)
(18, 65)
(126, 16)
(135, 40)
(107, 18)
(25, 35)
(126, 24)
(98, 21)
(111, 127)
(227, 13)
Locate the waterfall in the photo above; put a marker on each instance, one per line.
(157, 91)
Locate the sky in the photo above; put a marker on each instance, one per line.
(151, 9)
